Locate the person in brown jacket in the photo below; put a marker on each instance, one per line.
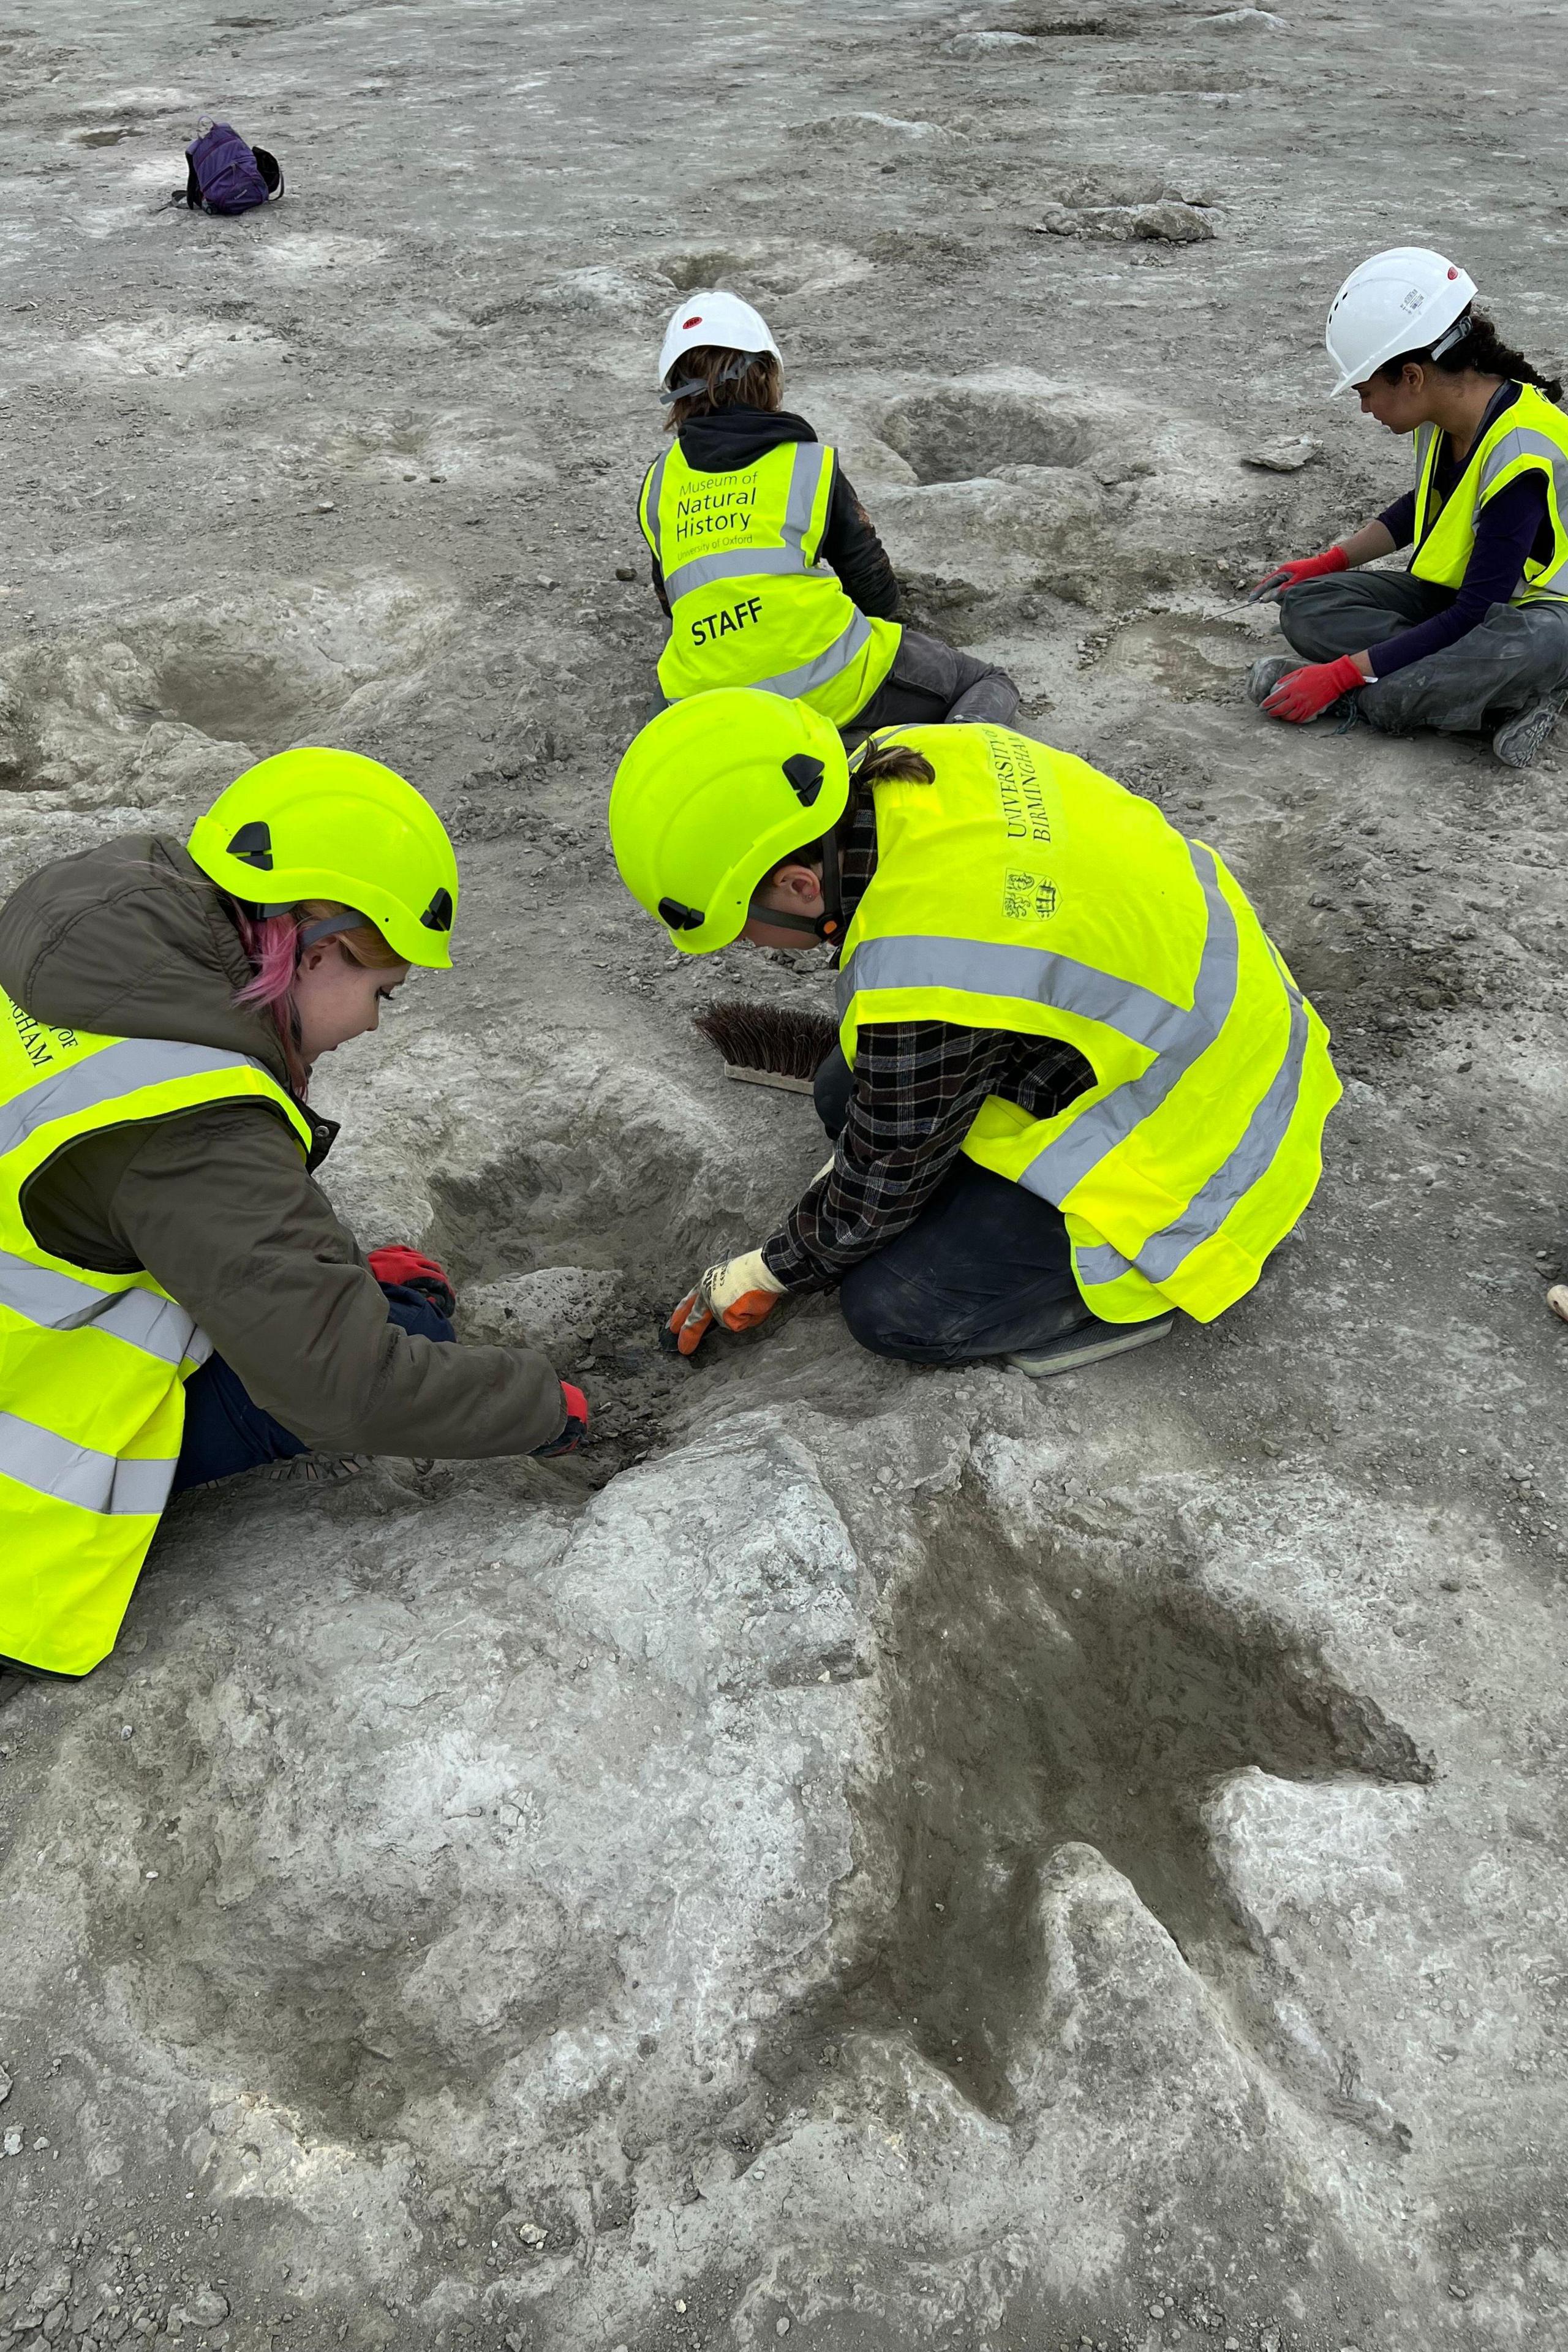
(298, 1345)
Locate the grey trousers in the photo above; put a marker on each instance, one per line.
(1516, 656)
(931, 683)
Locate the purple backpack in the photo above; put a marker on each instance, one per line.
(225, 175)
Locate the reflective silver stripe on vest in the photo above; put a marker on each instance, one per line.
(805, 475)
(650, 503)
(704, 571)
(58, 1302)
(823, 667)
(1524, 441)
(1207, 1210)
(1031, 975)
(1097, 1132)
(114, 1070)
(78, 1473)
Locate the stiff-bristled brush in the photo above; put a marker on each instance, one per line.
(769, 1044)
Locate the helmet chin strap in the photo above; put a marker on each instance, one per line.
(671, 392)
(1456, 334)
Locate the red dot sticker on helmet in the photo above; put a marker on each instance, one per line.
(696, 318)
(1453, 273)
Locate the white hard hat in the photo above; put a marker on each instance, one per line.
(713, 322)
(1402, 300)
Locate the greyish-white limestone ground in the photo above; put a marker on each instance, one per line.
(869, 1858)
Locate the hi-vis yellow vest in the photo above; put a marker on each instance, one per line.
(92, 1366)
(1024, 891)
(1530, 436)
(749, 603)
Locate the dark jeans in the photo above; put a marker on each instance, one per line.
(226, 1432)
(984, 1270)
(1516, 656)
(930, 684)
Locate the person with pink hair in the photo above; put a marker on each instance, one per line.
(178, 1299)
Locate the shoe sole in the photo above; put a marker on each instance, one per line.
(1281, 667)
(1526, 738)
(316, 1469)
(1081, 1349)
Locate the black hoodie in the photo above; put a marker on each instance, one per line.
(730, 438)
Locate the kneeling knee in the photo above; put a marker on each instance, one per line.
(871, 1306)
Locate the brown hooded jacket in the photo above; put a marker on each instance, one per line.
(132, 938)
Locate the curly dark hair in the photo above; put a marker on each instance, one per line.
(1482, 349)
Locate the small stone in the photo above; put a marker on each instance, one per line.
(986, 45)
(1458, 2290)
(205, 2308)
(626, 571)
(4, 2086)
(1286, 456)
(780, 2328)
(543, 581)
(127, 1730)
(1269, 2339)
(679, 2303)
(1169, 222)
(11, 2144)
(325, 506)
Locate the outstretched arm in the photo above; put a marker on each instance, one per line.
(218, 1206)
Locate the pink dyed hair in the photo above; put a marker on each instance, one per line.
(272, 944)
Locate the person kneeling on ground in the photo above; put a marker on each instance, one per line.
(1077, 1086)
(177, 1299)
(1475, 633)
(764, 557)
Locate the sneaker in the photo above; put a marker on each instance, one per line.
(1265, 675)
(1519, 742)
(319, 1469)
(1089, 1344)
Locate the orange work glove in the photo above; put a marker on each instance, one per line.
(740, 1292)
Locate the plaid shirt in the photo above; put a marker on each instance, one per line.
(917, 1086)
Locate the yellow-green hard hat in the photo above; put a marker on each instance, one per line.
(314, 823)
(713, 794)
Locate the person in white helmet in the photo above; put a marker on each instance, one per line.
(764, 557)
(1475, 633)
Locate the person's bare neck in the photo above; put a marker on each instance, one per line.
(1459, 405)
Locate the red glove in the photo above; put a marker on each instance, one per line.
(411, 1270)
(1304, 692)
(576, 1428)
(1274, 583)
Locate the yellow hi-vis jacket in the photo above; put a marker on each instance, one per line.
(1530, 436)
(1024, 891)
(92, 1366)
(749, 603)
